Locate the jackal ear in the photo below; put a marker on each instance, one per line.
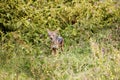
(49, 32)
(57, 30)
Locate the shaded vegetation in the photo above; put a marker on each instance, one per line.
(90, 28)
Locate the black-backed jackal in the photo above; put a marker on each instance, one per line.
(56, 41)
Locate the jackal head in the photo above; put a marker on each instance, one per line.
(52, 34)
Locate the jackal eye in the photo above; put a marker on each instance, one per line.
(53, 35)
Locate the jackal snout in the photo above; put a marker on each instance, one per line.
(56, 41)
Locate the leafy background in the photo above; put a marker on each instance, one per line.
(90, 28)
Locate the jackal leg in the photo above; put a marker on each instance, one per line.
(62, 44)
(54, 51)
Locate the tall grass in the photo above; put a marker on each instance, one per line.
(96, 61)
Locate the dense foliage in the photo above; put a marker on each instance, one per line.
(90, 28)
